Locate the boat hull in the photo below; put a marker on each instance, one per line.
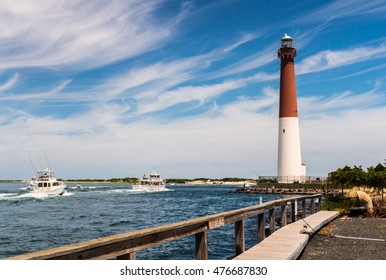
(148, 187)
(54, 190)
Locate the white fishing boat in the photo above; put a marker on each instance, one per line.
(45, 182)
(150, 182)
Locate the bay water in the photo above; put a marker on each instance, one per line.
(30, 222)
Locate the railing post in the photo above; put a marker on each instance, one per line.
(129, 256)
(293, 211)
(272, 220)
(261, 225)
(283, 215)
(319, 202)
(304, 208)
(312, 205)
(201, 246)
(239, 237)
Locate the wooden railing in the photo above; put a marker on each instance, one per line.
(125, 245)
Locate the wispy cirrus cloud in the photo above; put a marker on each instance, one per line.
(152, 87)
(10, 83)
(79, 34)
(161, 85)
(186, 94)
(330, 59)
(343, 9)
(341, 103)
(199, 93)
(254, 61)
(36, 96)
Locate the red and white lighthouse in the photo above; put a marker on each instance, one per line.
(289, 165)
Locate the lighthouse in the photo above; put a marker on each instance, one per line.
(289, 166)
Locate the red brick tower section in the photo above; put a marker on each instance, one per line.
(288, 105)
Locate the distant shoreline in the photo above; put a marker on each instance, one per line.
(208, 182)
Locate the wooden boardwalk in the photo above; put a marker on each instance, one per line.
(288, 242)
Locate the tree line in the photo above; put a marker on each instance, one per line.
(348, 177)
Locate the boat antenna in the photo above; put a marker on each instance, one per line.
(30, 159)
(49, 165)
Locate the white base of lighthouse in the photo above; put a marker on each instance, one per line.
(289, 167)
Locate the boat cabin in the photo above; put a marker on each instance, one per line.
(47, 184)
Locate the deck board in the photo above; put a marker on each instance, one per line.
(288, 242)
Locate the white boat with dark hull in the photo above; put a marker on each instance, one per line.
(45, 182)
(150, 182)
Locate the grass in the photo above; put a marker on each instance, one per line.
(339, 203)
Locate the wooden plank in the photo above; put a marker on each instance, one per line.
(271, 220)
(312, 206)
(239, 237)
(214, 223)
(293, 211)
(304, 206)
(129, 256)
(288, 242)
(261, 225)
(317, 204)
(245, 215)
(284, 215)
(201, 246)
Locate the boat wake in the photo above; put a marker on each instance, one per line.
(4, 196)
(15, 196)
(66, 193)
(82, 188)
(71, 191)
(140, 191)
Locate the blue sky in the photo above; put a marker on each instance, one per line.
(117, 88)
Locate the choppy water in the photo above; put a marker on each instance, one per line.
(30, 222)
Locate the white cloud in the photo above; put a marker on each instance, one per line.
(35, 97)
(342, 8)
(353, 137)
(254, 61)
(340, 104)
(329, 59)
(237, 139)
(10, 83)
(344, 129)
(200, 94)
(153, 87)
(244, 39)
(155, 77)
(186, 94)
(97, 139)
(78, 34)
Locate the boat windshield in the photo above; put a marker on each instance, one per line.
(44, 185)
(154, 176)
(45, 174)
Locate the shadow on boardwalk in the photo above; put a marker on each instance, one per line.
(349, 239)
